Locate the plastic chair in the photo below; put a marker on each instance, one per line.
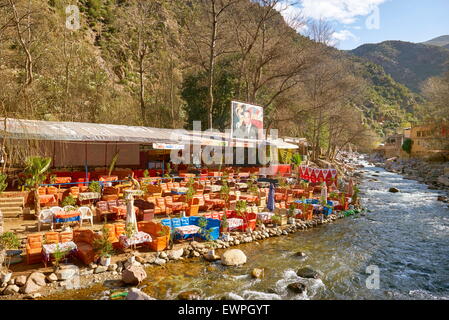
(86, 214)
(166, 222)
(51, 237)
(69, 208)
(185, 221)
(45, 216)
(56, 209)
(176, 222)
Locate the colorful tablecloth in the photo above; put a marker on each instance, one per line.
(71, 216)
(138, 238)
(47, 198)
(63, 179)
(264, 215)
(186, 230)
(48, 249)
(234, 223)
(89, 196)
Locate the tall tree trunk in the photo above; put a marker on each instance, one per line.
(142, 91)
(37, 204)
(213, 43)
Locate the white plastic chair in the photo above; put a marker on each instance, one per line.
(45, 216)
(69, 208)
(56, 209)
(86, 214)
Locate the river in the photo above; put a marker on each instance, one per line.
(405, 235)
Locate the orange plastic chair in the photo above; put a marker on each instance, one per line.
(51, 237)
(65, 237)
(34, 249)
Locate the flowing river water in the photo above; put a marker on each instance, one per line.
(405, 234)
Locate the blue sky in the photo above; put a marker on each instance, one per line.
(357, 22)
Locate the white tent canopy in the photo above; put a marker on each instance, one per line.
(96, 132)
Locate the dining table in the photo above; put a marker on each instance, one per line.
(187, 230)
(69, 247)
(136, 239)
(67, 216)
(234, 223)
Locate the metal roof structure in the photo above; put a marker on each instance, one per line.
(97, 132)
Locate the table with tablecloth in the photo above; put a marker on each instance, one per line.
(234, 223)
(138, 238)
(83, 196)
(63, 180)
(47, 198)
(67, 216)
(178, 191)
(48, 249)
(187, 230)
(264, 216)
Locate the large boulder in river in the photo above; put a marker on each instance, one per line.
(133, 275)
(35, 281)
(233, 257)
(308, 273)
(393, 190)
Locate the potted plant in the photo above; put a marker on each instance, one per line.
(103, 246)
(59, 255)
(69, 201)
(95, 187)
(224, 224)
(252, 185)
(276, 220)
(8, 242)
(36, 172)
(241, 207)
(291, 214)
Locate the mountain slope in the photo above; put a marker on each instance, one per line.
(408, 63)
(442, 41)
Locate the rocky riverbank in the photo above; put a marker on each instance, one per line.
(39, 285)
(434, 174)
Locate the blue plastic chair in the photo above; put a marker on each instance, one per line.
(185, 221)
(166, 222)
(175, 222)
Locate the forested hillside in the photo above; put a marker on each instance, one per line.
(410, 64)
(165, 63)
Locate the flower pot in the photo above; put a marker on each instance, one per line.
(105, 261)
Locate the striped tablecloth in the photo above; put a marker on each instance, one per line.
(185, 230)
(234, 223)
(138, 238)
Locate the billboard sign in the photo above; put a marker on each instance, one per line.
(247, 120)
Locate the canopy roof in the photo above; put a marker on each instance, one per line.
(97, 132)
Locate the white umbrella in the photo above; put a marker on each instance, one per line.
(130, 212)
(324, 193)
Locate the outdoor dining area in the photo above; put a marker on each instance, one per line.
(91, 220)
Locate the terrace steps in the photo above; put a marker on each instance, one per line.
(11, 207)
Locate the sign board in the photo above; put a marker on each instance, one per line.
(246, 120)
(166, 146)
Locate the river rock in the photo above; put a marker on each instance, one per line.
(163, 255)
(300, 254)
(175, 254)
(11, 289)
(393, 190)
(133, 275)
(160, 261)
(297, 287)
(308, 273)
(67, 272)
(101, 269)
(444, 180)
(20, 281)
(190, 295)
(52, 277)
(35, 281)
(233, 257)
(211, 256)
(257, 273)
(112, 267)
(136, 294)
